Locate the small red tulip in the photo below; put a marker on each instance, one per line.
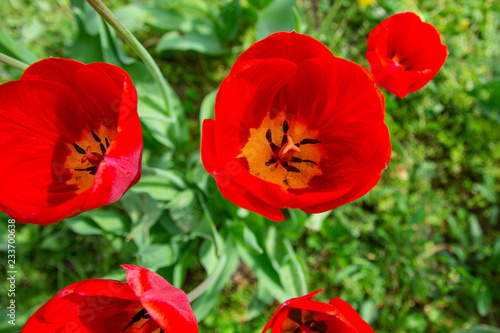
(405, 53)
(71, 140)
(303, 315)
(295, 127)
(145, 304)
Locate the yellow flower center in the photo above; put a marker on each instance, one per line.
(283, 152)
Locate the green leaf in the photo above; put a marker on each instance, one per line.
(155, 256)
(479, 329)
(205, 42)
(108, 220)
(292, 275)
(218, 278)
(159, 188)
(484, 300)
(369, 311)
(15, 50)
(226, 26)
(207, 107)
(278, 16)
(83, 226)
(476, 231)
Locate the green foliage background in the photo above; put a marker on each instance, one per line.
(419, 253)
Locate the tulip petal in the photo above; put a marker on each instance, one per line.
(167, 305)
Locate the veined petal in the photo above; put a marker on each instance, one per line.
(167, 305)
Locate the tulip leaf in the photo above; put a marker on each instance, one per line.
(108, 220)
(265, 272)
(155, 256)
(484, 300)
(83, 226)
(292, 275)
(275, 17)
(225, 267)
(479, 329)
(205, 42)
(207, 107)
(226, 25)
(16, 50)
(159, 188)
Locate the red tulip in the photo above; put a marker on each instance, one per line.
(303, 315)
(145, 304)
(295, 127)
(71, 140)
(405, 53)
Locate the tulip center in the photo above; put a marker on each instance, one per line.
(283, 152)
(302, 322)
(85, 156)
(139, 320)
(400, 62)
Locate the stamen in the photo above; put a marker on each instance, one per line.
(107, 143)
(269, 138)
(271, 161)
(87, 169)
(405, 59)
(284, 140)
(408, 69)
(138, 316)
(309, 141)
(79, 149)
(103, 150)
(393, 54)
(299, 160)
(96, 138)
(285, 126)
(289, 167)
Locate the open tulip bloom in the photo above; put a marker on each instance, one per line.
(295, 127)
(71, 140)
(146, 303)
(405, 53)
(303, 315)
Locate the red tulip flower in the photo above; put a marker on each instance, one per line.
(405, 53)
(303, 315)
(145, 304)
(71, 140)
(295, 127)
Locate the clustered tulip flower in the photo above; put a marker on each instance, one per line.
(146, 303)
(295, 127)
(405, 53)
(303, 315)
(73, 140)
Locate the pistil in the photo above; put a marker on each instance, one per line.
(286, 152)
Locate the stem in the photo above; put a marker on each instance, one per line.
(329, 18)
(137, 47)
(13, 62)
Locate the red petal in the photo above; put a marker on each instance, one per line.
(89, 306)
(284, 45)
(208, 155)
(53, 69)
(33, 188)
(352, 316)
(416, 43)
(231, 190)
(167, 305)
